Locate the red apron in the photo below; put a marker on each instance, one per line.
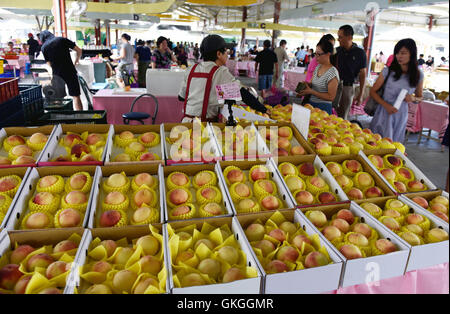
(208, 77)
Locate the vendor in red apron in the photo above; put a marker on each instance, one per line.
(198, 90)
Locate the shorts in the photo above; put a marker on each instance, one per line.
(73, 85)
(264, 82)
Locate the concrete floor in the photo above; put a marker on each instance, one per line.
(427, 155)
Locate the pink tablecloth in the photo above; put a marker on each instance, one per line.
(433, 116)
(232, 67)
(170, 109)
(291, 79)
(432, 280)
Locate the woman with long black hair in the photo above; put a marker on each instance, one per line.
(403, 73)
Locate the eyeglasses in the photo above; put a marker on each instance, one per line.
(320, 54)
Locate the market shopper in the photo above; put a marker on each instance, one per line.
(313, 63)
(162, 56)
(182, 57)
(33, 47)
(198, 90)
(403, 73)
(300, 55)
(351, 63)
(143, 56)
(125, 60)
(56, 51)
(281, 58)
(421, 60)
(266, 60)
(324, 84)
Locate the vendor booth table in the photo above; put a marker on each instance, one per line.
(292, 77)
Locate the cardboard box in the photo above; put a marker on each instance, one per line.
(23, 173)
(129, 232)
(322, 171)
(25, 132)
(38, 239)
(21, 208)
(209, 146)
(407, 198)
(245, 166)
(419, 175)
(422, 256)
(308, 280)
(258, 148)
(191, 171)
(130, 170)
(372, 268)
(244, 286)
(53, 149)
(113, 150)
(379, 182)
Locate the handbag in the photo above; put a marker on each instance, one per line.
(371, 105)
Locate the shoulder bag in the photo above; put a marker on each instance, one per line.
(371, 105)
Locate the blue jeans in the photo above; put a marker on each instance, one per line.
(323, 106)
(264, 82)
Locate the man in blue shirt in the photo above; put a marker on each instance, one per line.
(300, 55)
(143, 56)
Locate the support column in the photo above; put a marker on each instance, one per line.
(276, 19)
(59, 13)
(108, 32)
(371, 17)
(98, 33)
(430, 23)
(117, 33)
(244, 19)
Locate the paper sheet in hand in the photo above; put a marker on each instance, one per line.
(400, 98)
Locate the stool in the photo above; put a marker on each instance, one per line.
(140, 116)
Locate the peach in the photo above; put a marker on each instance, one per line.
(15, 140)
(233, 274)
(209, 244)
(326, 197)
(394, 161)
(98, 289)
(438, 207)
(22, 150)
(415, 229)
(265, 246)
(122, 157)
(148, 157)
(149, 244)
(213, 208)
(388, 174)
(57, 268)
(259, 173)
(109, 218)
(276, 266)
(284, 131)
(341, 224)
(347, 215)
(210, 267)
(63, 159)
(374, 191)
(148, 137)
(64, 246)
(43, 198)
(4, 161)
(377, 161)
(294, 183)
(365, 179)
(350, 251)
(192, 279)
(287, 254)
(178, 196)
(126, 135)
(114, 198)
(304, 198)
(24, 160)
(9, 276)
(50, 291)
(385, 246)
(143, 196)
(110, 247)
(284, 143)
(144, 284)
(437, 235)
(78, 181)
(288, 227)
(69, 218)
(235, 175)
(318, 218)
(229, 254)
(47, 181)
(414, 219)
(411, 238)
(78, 149)
(318, 182)
(187, 257)
(266, 185)
(203, 178)
(37, 220)
(76, 197)
(20, 253)
(270, 202)
(116, 180)
(334, 168)
(307, 169)
(299, 240)
(123, 255)
(358, 239)
(255, 232)
(391, 223)
(39, 260)
(22, 284)
(315, 259)
(180, 210)
(93, 139)
(278, 234)
(405, 173)
(101, 267)
(353, 165)
(150, 264)
(297, 150)
(441, 215)
(343, 180)
(400, 187)
(331, 232)
(355, 194)
(124, 280)
(144, 178)
(371, 208)
(69, 139)
(287, 169)
(136, 147)
(242, 190)
(363, 229)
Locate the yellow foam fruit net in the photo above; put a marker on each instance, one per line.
(14, 190)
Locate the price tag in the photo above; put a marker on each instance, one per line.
(230, 91)
(300, 118)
